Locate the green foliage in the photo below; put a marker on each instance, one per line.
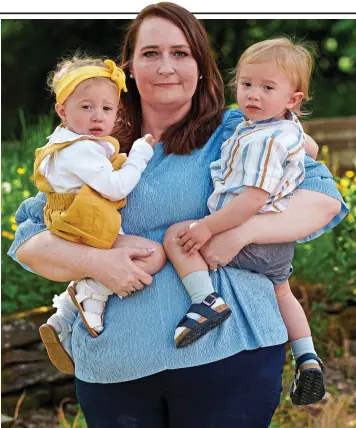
(20, 289)
(331, 259)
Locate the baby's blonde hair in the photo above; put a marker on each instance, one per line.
(67, 65)
(296, 60)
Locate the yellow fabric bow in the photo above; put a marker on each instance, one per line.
(70, 81)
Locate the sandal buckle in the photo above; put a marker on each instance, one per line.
(209, 300)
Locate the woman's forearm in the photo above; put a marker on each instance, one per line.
(55, 258)
(60, 260)
(308, 212)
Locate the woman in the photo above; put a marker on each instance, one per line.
(132, 374)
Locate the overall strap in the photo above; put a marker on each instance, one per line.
(46, 150)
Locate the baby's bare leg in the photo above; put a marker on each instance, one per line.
(151, 264)
(292, 312)
(184, 263)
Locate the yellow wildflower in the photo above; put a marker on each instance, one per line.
(14, 227)
(10, 236)
(350, 217)
(4, 233)
(21, 171)
(26, 193)
(12, 219)
(349, 174)
(344, 182)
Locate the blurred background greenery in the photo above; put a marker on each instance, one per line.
(324, 269)
(31, 48)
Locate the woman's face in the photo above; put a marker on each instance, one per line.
(165, 71)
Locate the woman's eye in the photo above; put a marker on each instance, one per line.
(86, 107)
(107, 108)
(150, 53)
(268, 88)
(247, 84)
(180, 54)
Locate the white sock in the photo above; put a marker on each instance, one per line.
(199, 285)
(303, 346)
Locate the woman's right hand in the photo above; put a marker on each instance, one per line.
(115, 269)
(62, 261)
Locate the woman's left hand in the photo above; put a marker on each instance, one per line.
(221, 248)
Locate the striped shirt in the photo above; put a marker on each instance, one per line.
(267, 154)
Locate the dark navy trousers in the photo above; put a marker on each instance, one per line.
(241, 391)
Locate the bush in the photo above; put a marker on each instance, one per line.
(331, 259)
(20, 289)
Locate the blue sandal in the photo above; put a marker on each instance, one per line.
(209, 319)
(308, 386)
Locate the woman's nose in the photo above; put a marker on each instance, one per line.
(166, 66)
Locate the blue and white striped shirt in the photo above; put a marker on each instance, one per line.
(267, 154)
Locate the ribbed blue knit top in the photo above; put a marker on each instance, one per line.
(138, 336)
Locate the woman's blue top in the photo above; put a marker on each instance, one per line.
(138, 337)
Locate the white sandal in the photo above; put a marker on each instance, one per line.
(91, 320)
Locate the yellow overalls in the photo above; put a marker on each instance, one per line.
(84, 217)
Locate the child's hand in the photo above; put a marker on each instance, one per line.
(194, 236)
(149, 139)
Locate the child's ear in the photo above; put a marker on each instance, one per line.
(295, 99)
(60, 110)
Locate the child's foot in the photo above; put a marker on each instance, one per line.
(56, 334)
(200, 319)
(90, 299)
(308, 386)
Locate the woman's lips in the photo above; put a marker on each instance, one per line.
(166, 85)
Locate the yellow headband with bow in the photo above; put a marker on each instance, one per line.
(70, 81)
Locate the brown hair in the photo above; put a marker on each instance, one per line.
(205, 115)
(294, 59)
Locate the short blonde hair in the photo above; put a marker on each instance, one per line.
(296, 60)
(67, 65)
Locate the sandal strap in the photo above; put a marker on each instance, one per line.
(81, 296)
(305, 357)
(203, 308)
(187, 322)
